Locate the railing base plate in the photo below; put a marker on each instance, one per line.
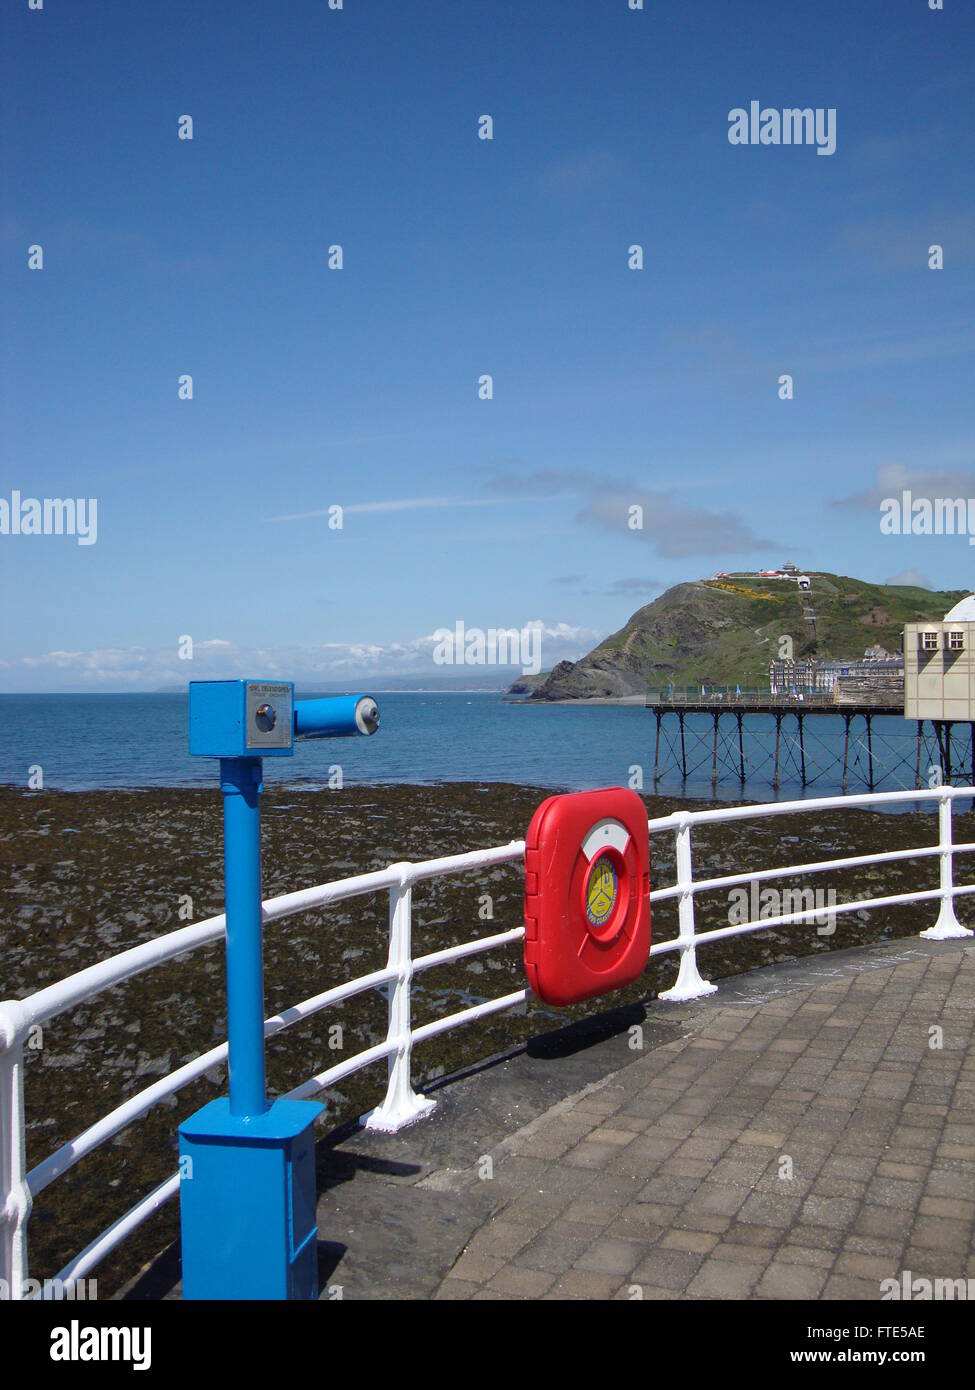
(681, 993)
(384, 1121)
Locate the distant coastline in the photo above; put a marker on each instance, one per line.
(579, 700)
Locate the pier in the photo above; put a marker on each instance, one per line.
(727, 756)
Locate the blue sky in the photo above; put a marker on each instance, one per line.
(358, 387)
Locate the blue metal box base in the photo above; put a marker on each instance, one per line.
(247, 1202)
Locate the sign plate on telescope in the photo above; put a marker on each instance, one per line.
(269, 715)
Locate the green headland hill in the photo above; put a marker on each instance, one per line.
(724, 631)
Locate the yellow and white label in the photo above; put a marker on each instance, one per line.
(602, 891)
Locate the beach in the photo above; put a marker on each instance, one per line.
(88, 874)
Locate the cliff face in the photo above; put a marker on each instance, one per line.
(725, 632)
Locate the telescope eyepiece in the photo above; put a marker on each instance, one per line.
(265, 717)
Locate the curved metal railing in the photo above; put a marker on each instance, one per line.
(401, 1105)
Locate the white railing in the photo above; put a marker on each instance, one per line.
(401, 1105)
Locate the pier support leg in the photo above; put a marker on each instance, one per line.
(972, 729)
(870, 751)
(741, 752)
(802, 751)
(683, 751)
(714, 754)
(917, 770)
(846, 748)
(656, 751)
(939, 733)
(948, 728)
(778, 731)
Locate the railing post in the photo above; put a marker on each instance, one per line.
(689, 984)
(401, 1106)
(14, 1190)
(947, 925)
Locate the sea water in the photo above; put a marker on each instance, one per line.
(140, 740)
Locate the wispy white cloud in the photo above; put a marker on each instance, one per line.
(894, 478)
(581, 172)
(901, 243)
(733, 353)
(912, 578)
(630, 587)
(142, 668)
(673, 528)
(395, 504)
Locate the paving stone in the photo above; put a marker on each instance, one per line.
(718, 1198)
(829, 1211)
(956, 1209)
(456, 1289)
(816, 1237)
(784, 1279)
(699, 1242)
(890, 1192)
(844, 1286)
(667, 1269)
(805, 1255)
(633, 1228)
(693, 1219)
(725, 1279)
(881, 1221)
(499, 1239)
(941, 1233)
(688, 1167)
(611, 1256)
(744, 1233)
(514, 1282)
(874, 1245)
(554, 1251)
(584, 1284)
(741, 1253)
(591, 1213)
(606, 1134)
(531, 1213)
(764, 1210)
(588, 1155)
(476, 1267)
(876, 1267)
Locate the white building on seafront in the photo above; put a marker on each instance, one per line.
(939, 666)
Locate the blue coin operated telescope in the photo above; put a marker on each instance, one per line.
(247, 1167)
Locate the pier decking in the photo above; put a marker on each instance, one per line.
(800, 1136)
(763, 702)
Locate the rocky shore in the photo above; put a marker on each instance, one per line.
(87, 874)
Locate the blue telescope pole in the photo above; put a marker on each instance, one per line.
(240, 783)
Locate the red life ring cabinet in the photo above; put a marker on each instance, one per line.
(587, 894)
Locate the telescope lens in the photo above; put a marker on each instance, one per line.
(367, 716)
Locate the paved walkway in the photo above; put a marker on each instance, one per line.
(804, 1133)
